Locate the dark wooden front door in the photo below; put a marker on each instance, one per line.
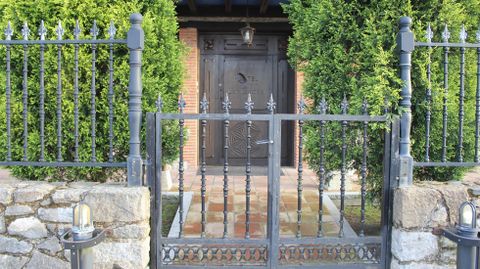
(229, 66)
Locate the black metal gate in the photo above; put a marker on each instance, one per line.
(342, 250)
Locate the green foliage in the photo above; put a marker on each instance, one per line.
(162, 74)
(348, 47)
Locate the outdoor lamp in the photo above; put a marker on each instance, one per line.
(468, 216)
(82, 226)
(247, 34)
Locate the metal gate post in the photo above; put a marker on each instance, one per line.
(405, 45)
(158, 186)
(274, 153)
(135, 43)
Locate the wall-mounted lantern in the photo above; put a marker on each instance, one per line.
(247, 34)
(82, 237)
(465, 235)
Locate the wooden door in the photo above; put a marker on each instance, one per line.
(229, 66)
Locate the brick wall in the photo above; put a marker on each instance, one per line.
(189, 36)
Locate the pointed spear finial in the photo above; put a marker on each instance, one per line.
(159, 103)
(59, 31)
(301, 105)
(112, 31)
(249, 104)
(322, 106)
(204, 104)
(25, 31)
(181, 103)
(94, 30)
(445, 34)
(8, 31)
(463, 34)
(271, 105)
(429, 34)
(344, 104)
(365, 106)
(42, 31)
(226, 104)
(76, 31)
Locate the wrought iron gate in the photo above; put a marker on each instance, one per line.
(343, 250)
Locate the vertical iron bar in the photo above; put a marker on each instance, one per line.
(203, 169)
(8, 105)
(93, 113)
(111, 31)
(344, 108)
(25, 33)
(322, 108)
(248, 168)
(445, 98)
(301, 108)
(405, 44)
(226, 107)
(59, 93)
(110, 105)
(8, 36)
(364, 169)
(181, 168)
(428, 100)
(158, 262)
(461, 98)
(42, 32)
(76, 33)
(477, 108)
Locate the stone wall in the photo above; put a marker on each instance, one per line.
(33, 216)
(417, 210)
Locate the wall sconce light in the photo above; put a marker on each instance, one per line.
(247, 34)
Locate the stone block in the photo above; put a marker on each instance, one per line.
(3, 229)
(125, 255)
(418, 207)
(454, 195)
(18, 210)
(14, 246)
(119, 204)
(67, 196)
(8, 261)
(29, 227)
(33, 192)
(52, 245)
(6, 195)
(414, 265)
(43, 261)
(413, 246)
(60, 214)
(134, 231)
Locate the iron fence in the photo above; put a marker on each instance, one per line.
(427, 100)
(134, 43)
(345, 249)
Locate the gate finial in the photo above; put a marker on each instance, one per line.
(344, 104)
(76, 30)
(25, 31)
(8, 31)
(365, 106)
(271, 105)
(159, 103)
(322, 106)
(112, 31)
(42, 31)
(204, 104)
(463, 34)
(445, 34)
(429, 34)
(301, 105)
(249, 104)
(181, 103)
(59, 31)
(226, 104)
(94, 31)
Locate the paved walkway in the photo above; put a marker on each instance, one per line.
(258, 215)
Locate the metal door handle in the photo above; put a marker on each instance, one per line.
(266, 141)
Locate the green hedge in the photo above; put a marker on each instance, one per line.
(162, 74)
(349, 47)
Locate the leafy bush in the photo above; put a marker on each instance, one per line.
(348, 47)
(162, 74)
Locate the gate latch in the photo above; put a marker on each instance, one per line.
(265, 141)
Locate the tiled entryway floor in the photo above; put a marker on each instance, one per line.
(258, 213)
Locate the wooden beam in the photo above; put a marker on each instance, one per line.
(232, 19)
(263, 6)
(192, 6)
(228, 6)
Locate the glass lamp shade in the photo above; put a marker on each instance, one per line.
(468, 215)
(82, 220)
(247, 34)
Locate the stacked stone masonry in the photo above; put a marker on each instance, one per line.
(417, 210)
(33, 216)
